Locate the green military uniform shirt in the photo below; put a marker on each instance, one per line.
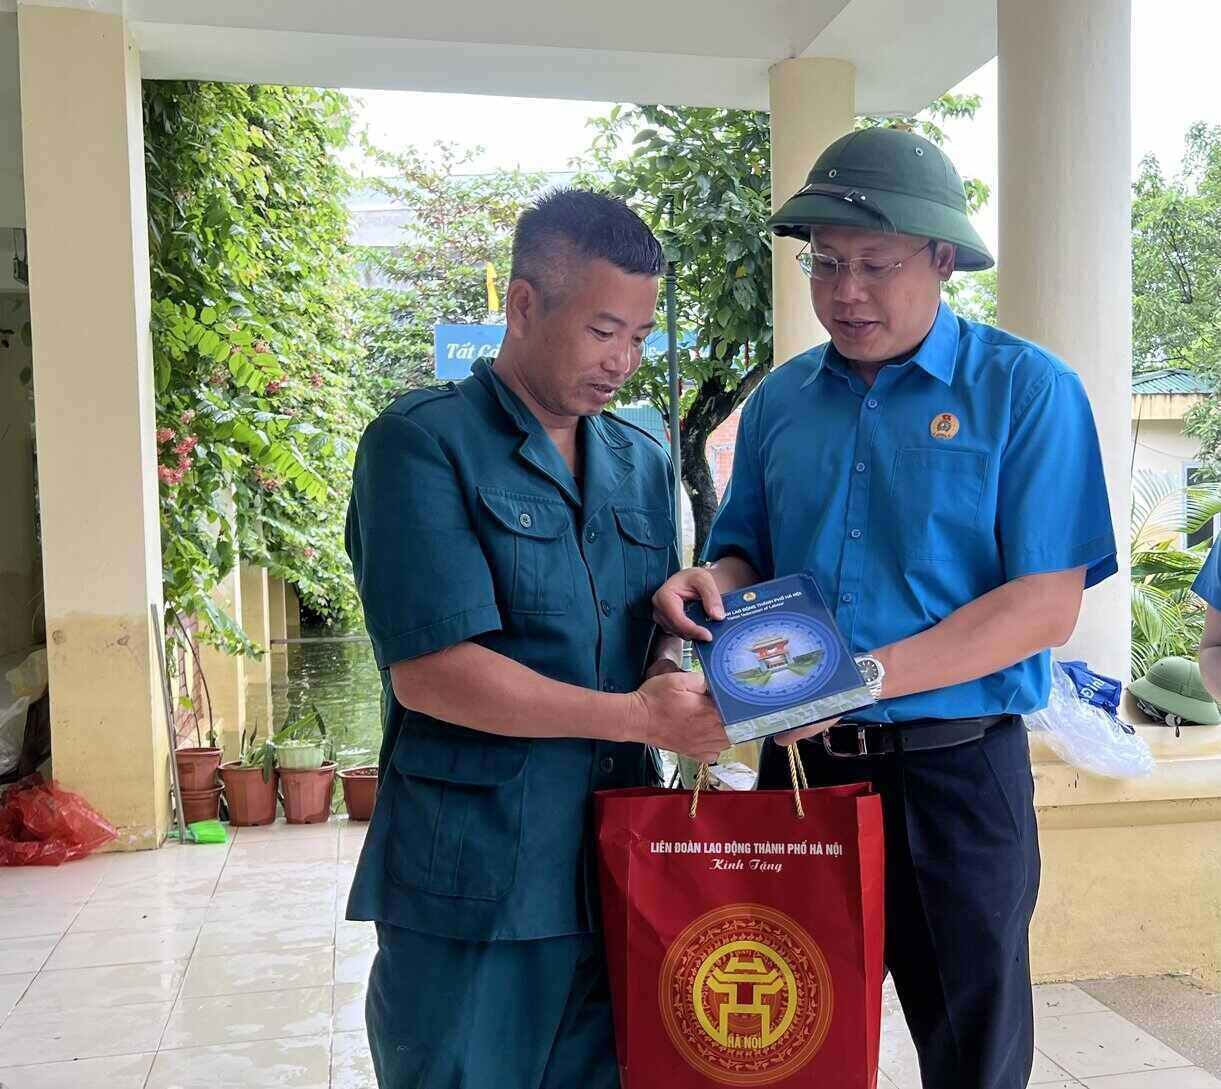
(466, 524)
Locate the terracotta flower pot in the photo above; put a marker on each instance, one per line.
(197, 768)
(201, 805)
(359, 791)
(251, 800)
(307, 793)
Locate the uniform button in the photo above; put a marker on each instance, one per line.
(607, 764)
(525, 520)
(606, 608)
(846, 598)
(871, 403)
(860, 466)
(591, 535)
(856, 534)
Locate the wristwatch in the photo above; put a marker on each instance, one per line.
(873, 671)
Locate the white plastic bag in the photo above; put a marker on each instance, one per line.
(1087, 737)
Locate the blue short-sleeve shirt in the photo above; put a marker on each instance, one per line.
(973, 463)
(1208, 582)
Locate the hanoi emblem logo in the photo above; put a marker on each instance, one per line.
(746, 995)
(778, 659)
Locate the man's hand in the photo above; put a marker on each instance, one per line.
(689, 584)
(791, 737)
(662, 666)
(675, 712)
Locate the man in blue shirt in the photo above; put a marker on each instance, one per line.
(507, 537)
(1208, 586)
(942, 481)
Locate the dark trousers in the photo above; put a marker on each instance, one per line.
(445, 1014)
(962, 876)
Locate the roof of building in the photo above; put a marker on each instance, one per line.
(1170, 381)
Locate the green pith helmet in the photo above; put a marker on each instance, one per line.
(1174, 685)
(886, 180)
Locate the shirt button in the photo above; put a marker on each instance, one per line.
(860, 466)
(608, 686)
(606, 608)
(846, 598)
(607, 764)
(856, 534)
(591, 535)
(526, 521)
(871, 403)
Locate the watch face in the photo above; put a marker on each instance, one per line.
(869, 669)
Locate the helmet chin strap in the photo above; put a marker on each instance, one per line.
(854, 197)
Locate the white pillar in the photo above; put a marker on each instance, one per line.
(89, 294)
(813, 103)
(1065, 273)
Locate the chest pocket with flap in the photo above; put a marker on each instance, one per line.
(530, 541)
(646, 537)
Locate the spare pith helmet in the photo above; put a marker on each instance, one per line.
(1174, 685)
(889, 180)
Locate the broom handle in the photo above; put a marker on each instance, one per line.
(169, 726)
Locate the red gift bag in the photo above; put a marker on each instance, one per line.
(744, 935)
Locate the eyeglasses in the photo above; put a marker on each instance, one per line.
(822, 266)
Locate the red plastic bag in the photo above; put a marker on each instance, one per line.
(43, 825)
(744, 945)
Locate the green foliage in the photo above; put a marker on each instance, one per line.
(701, 178)
(253, 345)
(973, 295)
(257, 754)
(1167, 619)
(1176, 275)
(459, 222)
(306, 731)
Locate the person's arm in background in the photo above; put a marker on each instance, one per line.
(1208, 587)
(1210, 652)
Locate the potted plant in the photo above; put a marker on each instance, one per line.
(197, 768)
(307, 775)
(251, 783)
(198, 763)
(359, 791)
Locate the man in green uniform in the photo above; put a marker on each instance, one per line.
(507, 537)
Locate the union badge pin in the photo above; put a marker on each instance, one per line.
(944, 426)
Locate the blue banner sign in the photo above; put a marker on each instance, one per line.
(456, 347)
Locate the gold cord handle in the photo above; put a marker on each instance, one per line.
(797, 773)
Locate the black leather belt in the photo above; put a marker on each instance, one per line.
(852, 739)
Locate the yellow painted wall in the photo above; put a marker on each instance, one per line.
(86, 209)
(1131, 868)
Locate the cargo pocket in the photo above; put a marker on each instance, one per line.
(457, 820)
(528, 541)
(646, 537)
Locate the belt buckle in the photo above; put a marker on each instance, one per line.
(861, 748)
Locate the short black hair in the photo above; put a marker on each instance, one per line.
(565, 223)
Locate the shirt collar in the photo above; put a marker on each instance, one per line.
(937, 355)
(526, 421)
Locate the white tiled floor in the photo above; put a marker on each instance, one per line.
(230, 967)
